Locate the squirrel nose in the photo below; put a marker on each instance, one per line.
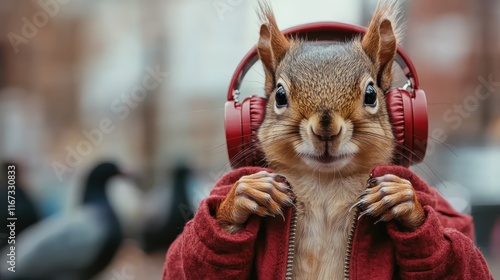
(326, 135)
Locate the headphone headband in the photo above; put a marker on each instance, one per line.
(323, 31)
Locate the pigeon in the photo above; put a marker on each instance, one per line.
(168, 209)
(77, 245)
(26, 213)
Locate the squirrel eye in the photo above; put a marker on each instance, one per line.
(280, 96)
(370, 96)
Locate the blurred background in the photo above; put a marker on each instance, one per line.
(143, 83)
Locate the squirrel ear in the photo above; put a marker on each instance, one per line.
(380, 44)
(271, 48)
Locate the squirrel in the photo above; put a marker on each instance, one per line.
(326, 126)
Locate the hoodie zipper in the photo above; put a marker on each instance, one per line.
(347, 260)
(291, 245)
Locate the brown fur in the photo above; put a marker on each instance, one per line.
(326, 78)
(272, 45)
(262, 194)
(390, 197)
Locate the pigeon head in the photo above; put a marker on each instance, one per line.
(97, 180)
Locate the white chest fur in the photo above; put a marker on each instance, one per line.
(323, 225)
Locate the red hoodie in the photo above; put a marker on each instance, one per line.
(442, 248)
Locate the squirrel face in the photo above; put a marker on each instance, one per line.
(326, 110)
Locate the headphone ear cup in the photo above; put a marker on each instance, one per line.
(420, 126)
(234, 132)
(399, 107)
(252, 119)
(408, 116)
(242, 122)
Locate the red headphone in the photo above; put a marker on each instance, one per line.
(407, 108)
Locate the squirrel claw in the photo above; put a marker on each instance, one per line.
(363, 213)
(281, 214)
(372, 181)
(369, 178)
(357, 204)
(379, 220)
(282, 179)
(270, 214)
(363, 194)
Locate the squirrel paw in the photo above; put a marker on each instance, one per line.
(389, 197)
(262, 193)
